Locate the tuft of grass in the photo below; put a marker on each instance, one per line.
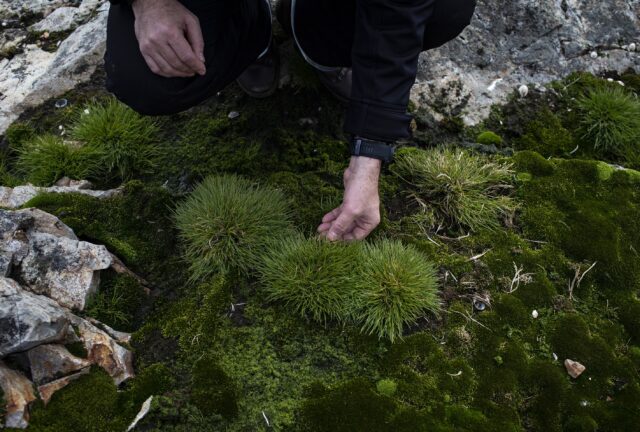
(228, 222)
(397, 285)
(610, 121)
(312, 277)
(126, 141)
(455, 188)
(45, 159)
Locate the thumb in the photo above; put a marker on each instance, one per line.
(340, 226)
(194, 36)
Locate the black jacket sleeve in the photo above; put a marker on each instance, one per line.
(388, 40)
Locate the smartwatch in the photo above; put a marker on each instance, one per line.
(371, 148)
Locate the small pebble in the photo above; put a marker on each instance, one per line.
(574, 368)
(61, 103)
(523, 90)
(555, 356)
(632, 46)
(233, 114)
(621, 83)
(534, 314)
(593, 54)
(610, 79)
(479, 306)
(86, 111)
(584, 403)
(60, 127)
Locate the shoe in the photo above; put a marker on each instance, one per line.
(337, 81)
(261, 79)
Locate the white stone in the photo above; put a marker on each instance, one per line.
(632, 46)
(49, 362)
(534, 314)
(61, 19)
(146, 406)
(593, 54)
(523, 90)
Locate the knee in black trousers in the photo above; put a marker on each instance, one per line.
(235, 33)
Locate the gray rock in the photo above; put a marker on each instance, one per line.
(28, 319)
(18, 394)
(49, 362)
(33, 76)
(49, 259)
(61, 19)
(18, 196)
(526, 42)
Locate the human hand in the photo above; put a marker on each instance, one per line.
(170, 38)
(359, 213)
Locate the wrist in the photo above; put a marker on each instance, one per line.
(363, 166)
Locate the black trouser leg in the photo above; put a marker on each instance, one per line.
(324, 29)
(235, 33)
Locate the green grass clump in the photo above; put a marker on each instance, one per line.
(455, 188)
(311, 277)
(610, 121)
(117, 301)
(228, 223)
(397, 286)
(489, 138)
(45, 159)
(126, 141)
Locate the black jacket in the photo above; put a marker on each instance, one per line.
(388, 40)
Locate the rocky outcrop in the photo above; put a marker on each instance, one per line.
(56, 264)
(511, 43)
(45, 271)
(18, 196)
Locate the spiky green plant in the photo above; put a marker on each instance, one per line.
(610, 121)
(455, 188)
(45, 159)
(228, 222)
(126, 141)
(397, 285)
(312, 277)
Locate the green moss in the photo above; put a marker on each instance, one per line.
(351, 406)
(590, 218)
(547, 136)
(311, 195)
(387, 387)
(532, 162)
(489, 138)
(548, 387)
(90, 403)
(426, 376)
(629, 313)
(153, 380)
(212, 391)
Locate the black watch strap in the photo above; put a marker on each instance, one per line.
(373, 149)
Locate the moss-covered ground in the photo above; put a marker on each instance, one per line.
(218, 356)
